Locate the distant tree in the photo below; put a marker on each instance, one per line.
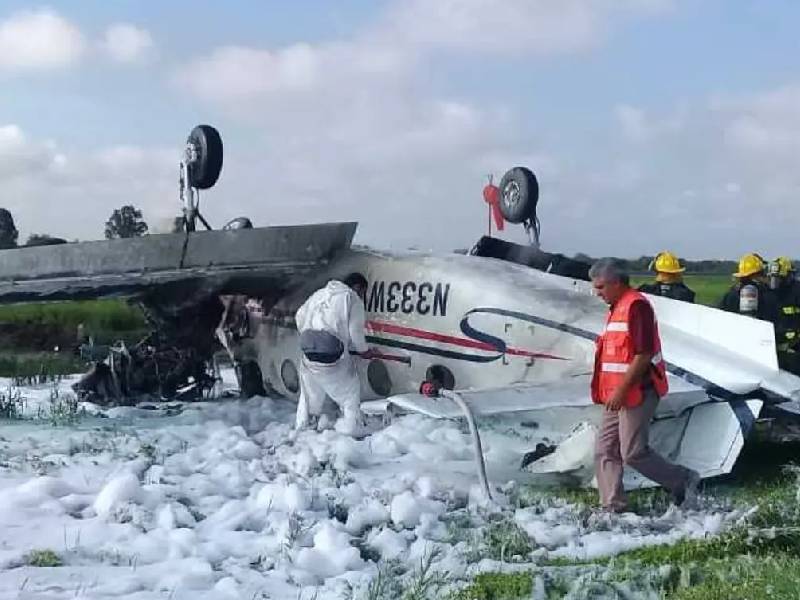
(125, 222)
(43, 239)
(8, 230)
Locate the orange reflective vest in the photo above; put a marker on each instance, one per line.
(615, 353)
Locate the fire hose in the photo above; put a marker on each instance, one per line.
(476, 438)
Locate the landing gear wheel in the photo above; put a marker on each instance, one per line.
(519, 193)
(204, 172)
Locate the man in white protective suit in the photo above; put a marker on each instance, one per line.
(331, 326)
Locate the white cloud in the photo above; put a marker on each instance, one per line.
(729, 168)
(767, 124)
(39, 40)
(234, 75)
(632, 121)
(21, 157)
(38, 176)
(351, 133)
(511, 26)
(638, 126)
(127, 43)
(352, 129)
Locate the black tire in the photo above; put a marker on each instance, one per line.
(238, 223)
(204, 173)
(519, 193)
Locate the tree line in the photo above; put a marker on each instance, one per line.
(124, 222)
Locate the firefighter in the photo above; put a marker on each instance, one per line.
(783, 282)
(669, 279)
(750, 295)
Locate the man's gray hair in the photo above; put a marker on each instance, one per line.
(611, 270)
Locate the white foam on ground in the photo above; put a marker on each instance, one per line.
(222, 500)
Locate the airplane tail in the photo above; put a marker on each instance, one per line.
(720, 351)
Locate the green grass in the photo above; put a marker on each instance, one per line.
(757, 560)
(31, 367)
(709, 289)
(96, 315)
(43, 558)
(38, 340)
(497, 586)
(506, 541)
(12, 404)
(771, 578)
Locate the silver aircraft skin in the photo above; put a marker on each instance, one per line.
(518, 344)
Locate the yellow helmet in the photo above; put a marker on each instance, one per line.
(667, 262)
(749, 264)
(781, 266)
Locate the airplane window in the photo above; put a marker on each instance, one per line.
(441, 375)
(378, 377)
(289, 376)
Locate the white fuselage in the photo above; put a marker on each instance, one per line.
(519, 346)
(489, 323)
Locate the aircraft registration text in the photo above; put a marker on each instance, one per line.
(424, 298)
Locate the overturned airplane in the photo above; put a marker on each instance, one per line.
(507, 331)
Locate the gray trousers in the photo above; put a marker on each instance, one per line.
(623, 440)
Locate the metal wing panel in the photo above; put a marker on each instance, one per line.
(229, 261)
(572, 392)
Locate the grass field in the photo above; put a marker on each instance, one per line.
(709, 288)
(30, 334)
(98, 316)
(757, 560)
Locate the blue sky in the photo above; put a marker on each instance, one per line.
(651, 123)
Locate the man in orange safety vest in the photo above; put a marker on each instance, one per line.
(629, 378)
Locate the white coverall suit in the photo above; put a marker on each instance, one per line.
(338, 310)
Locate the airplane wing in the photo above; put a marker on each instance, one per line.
(689, 428)
(236, 261)
(572, 392)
